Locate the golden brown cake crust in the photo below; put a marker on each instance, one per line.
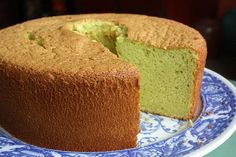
(96, 113)
(76, 89)
(70, 93)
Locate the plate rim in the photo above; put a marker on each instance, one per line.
(226, 134)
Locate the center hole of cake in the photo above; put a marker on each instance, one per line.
(101, 31)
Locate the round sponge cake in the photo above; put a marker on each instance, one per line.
(73, 82)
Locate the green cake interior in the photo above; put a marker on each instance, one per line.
(167, 76)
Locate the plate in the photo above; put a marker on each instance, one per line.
(162, 136)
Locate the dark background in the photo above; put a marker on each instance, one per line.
(214, 19)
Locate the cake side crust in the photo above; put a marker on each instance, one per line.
(89, 113)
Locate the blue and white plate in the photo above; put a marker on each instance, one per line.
(161, 136)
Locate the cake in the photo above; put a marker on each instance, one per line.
(79, 82)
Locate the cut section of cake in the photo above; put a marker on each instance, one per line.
(169, 86)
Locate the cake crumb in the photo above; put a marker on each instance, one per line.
(40, 42)
(74, 28)
(199, 142)
(210, 126)
(184, 140)
(190, 123)
(209, 113)
(30, 36)
(146, 119)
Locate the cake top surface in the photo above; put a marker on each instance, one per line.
(50, 44)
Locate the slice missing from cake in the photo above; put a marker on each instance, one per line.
(169, 76)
